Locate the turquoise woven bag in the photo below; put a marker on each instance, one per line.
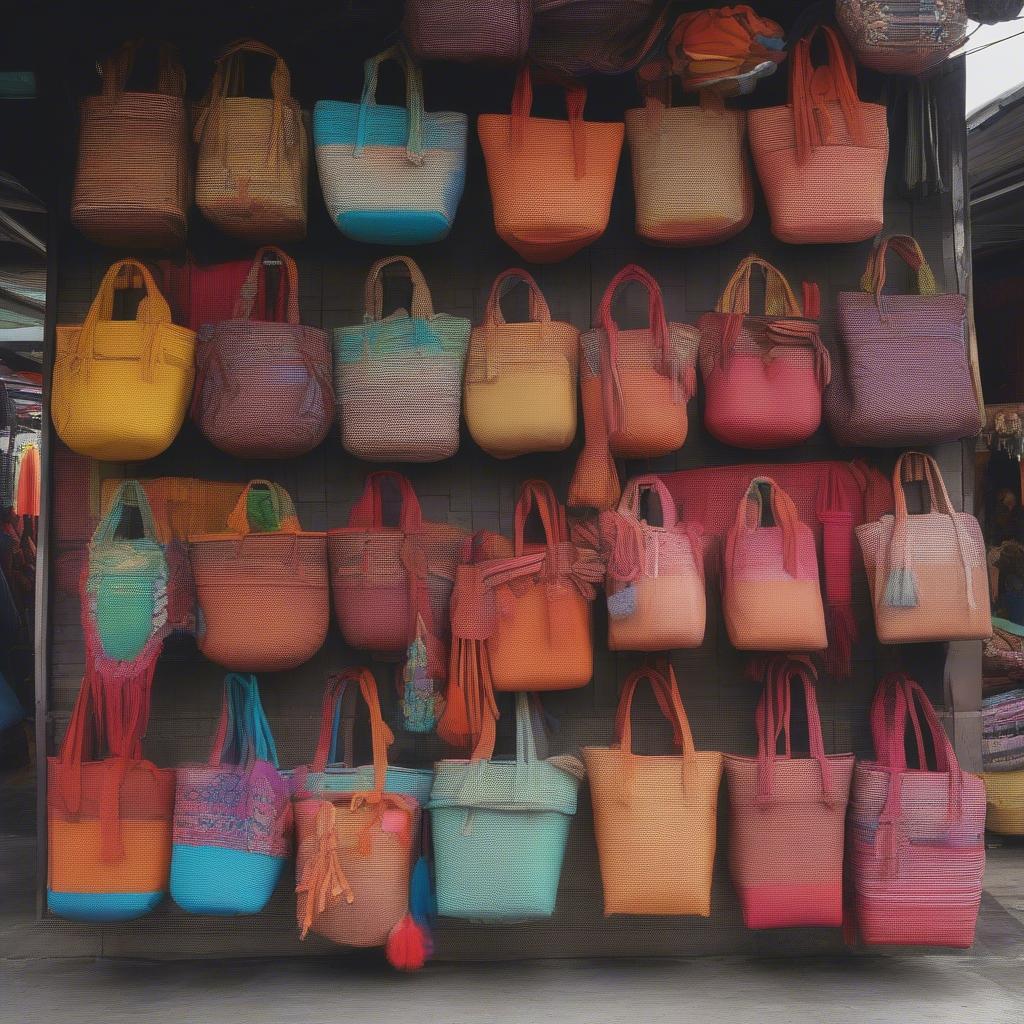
(500, 827)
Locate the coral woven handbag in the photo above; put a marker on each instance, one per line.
(915, 838)
(390, 175)
(655, 816)
(253, 158)
(822, 157)
(121, 388)
(520, 384)
(786, 813)
(903, 377)
(763, 375)
(551, 181)
(133, 182)
(263, 388)
(927, 571)
(492, 31)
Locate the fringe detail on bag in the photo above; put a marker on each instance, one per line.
(323, 881)
(422, 704)
(901, 589)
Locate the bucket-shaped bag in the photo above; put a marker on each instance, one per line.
(915, 837)
(500, 827)
(133, 182)
(1004, 795)
(655, 816)
(763, 375)
(821, 158)
(655, 582)
(390, 175)
(634, 386)
(398, 379)
(232, 815)
(903, 376)
(263, 386)
(491, 31)
(551, 181)
(121, 388)
(261, 586)
(108, 810)
(927, 571)
(253, 156)
(520, 385)
(786, 814)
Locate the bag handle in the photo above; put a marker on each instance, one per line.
(282, 508)
(422, 303)
(666, 692)
(129, 492)
(632, 496)
(909, 250)
(255, 283)
(243, 733)
(575, 101)
(117, 68)
(526, 739)
(750, 512)
(538, 494)
(503, 284)
(368, 511)
(414, 100)
(779, 299)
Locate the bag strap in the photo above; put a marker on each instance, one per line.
(414, 100)
(909, 250)
(117, 68)
(129, 492)
(750, 512)
(526, 739)
(368, 512)
(243, 733)
(632, 496)
(575, 102)
(255, 283)
(666, 692)
(538, 494)
(422, 304)
(503, 284)
(281, 506)
(779, 300)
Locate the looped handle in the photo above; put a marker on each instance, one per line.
(749, 515)
(117, 69)
(422, 303)
(228, 78)
(526, 738)
(909, 250)
(632, 496)
(129, 492)
(243, 732)
(666, 692)
(503, 284)
(538, 494)
(250, 290)
(368, 511)
(575, 102)
(655, 304)
(779, 298)
(414, 100)
(281, 508)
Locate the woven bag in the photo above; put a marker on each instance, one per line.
(903, 37)
(822, 157)
(927, 571)
(763, 375)
(771, 597)
(121, 388)
(390, 175)
(634, 386)
(915, 838)
(903, 378)
(786, 813)
(109, 811)
(520, 385)
(655, 583)
(232, 815)
(551, 181)
(1004, 794)
(253, 159)
(655, 817)
(493, 31)
(991, 12)
(398, 379)
(500, 827)
(133, 184)
(263, 389)
(263, 596)
(208, 294)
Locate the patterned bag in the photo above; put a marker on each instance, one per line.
(903, 378)
(232, 815)
(1004, 794)
(468, 30)
(121, 388)
(390, 175)
(656, 811)
(133, 182)
(253, 158)
(763, 375)
(398, 379)
(263, 389)
(261, 586)
(500, 827)
(822, 157)
(771, 597)
(520, 384)
(551, 181)
(927, 571)
(208, 294)
(915, 839)
(787, 813)
(634, 385)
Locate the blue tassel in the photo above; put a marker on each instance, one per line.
(422, 901)
(623, 603)
(901, 589)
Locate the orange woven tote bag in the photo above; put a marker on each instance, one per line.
(655, 816)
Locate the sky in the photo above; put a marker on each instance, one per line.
(997, 69)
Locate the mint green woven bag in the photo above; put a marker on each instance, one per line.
(500, 827)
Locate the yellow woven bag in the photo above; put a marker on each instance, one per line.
(1004, 794)
(121, 388)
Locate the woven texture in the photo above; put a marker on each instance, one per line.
(1004, 793)
(133, 183)
(551, 181)
(927, 572)
(208, 294)
(786, 814)
(1002, 722)
(390, 175)
(904, 378)
(763, 375)
(520, 381)
(655, 817)
(253, 154)
(495, 31)
(398, 379)
(263, 389)
(822, 157)
(121, 388)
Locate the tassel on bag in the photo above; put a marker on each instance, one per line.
(901, 588)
